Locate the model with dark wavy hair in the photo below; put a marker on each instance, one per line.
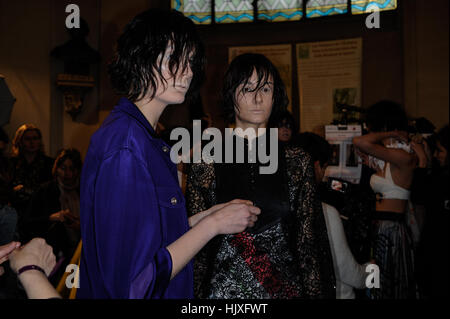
(239, 74)
(137, 239)
(150, 45)
(286, 254)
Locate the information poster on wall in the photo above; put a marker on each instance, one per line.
(329, 74)
(279, 55)
(344, 162)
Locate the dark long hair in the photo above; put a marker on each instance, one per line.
(316, 146)
(136, 66)
(240, 71)
(385, 116)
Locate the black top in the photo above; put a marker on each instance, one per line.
(286, 254)
(244, 181)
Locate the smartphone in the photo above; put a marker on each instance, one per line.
(338, 186)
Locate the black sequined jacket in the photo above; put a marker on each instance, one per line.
(290, 259)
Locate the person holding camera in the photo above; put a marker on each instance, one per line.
(349, 273)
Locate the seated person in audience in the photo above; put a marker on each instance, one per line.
(30, 167)
(54, 209)
(32, 263)
(349, 274)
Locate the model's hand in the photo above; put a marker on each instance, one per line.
(36, 252)
(220, 206)
(195, 219)
(234, 218)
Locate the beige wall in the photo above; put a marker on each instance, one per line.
(426, 60)
(24, 61)
(29, 29)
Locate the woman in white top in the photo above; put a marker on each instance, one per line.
(386, 149)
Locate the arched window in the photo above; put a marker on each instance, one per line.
(234, 11)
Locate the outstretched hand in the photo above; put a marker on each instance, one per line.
(36, 252)
(5, 251)
(234, 201)
(195, 219)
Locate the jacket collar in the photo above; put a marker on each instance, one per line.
(131, 109)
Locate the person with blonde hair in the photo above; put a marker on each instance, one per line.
(30, 166)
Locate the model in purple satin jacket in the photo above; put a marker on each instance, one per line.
(128, 175)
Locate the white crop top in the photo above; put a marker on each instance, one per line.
(386, 187)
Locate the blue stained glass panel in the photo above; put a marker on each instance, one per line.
(363, 6)
(198, 11)
(321, 8)
(280, 10)
(229, 11)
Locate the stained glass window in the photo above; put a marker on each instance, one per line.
(233, 11)
(280, 10)
(320, 8)
(198, 11)
(228, 11)
(360, 6)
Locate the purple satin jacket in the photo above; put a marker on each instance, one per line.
(131, 209)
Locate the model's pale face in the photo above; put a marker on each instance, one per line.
(174, 90)
(254, 106)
